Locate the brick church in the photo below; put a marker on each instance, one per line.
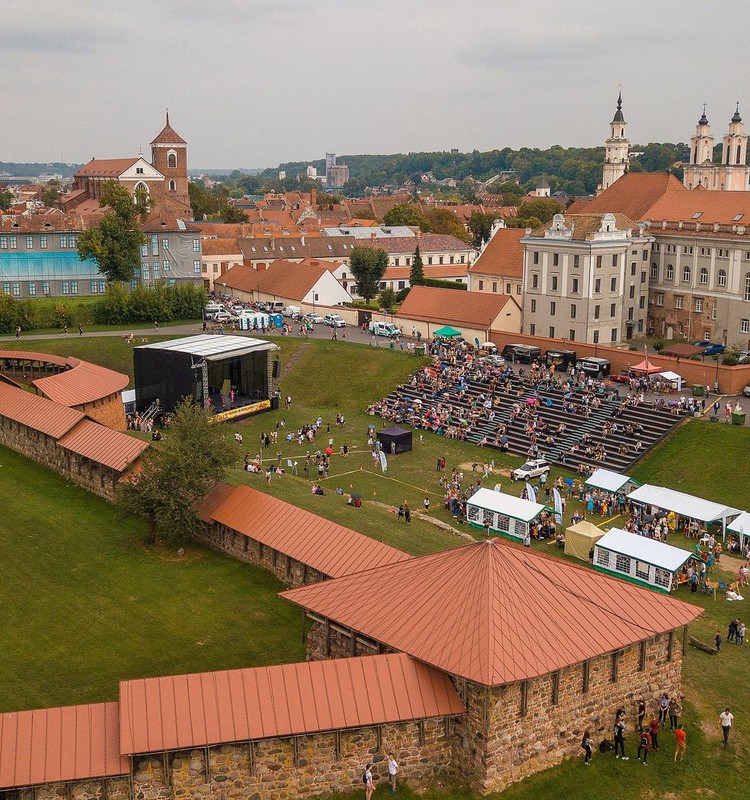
(164, 179)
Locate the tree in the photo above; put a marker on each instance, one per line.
(416, 275)
(177, 475)
(115, 243)
(229, 212)
(50, 195)
(543, 209)
(442, 220)
(480, 225)
(6, 197)
(368, 267)
(407, 214)
(387, 299)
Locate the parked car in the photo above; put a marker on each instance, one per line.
(493, 360)
(533, 468)
(315, 319)
(623, 376)
(710, 348)
(744, 357)
(384, 329)
(334, 320)
(223, 316)
(746, 390)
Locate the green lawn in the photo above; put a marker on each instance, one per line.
(85, 604)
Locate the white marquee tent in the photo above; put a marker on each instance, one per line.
(685, 505)
(610, 481)
(502, 513)
(639, 559)
(741, 526)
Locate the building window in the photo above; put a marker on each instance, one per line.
(401, 284)
(165, 266)
(172, 186)
(643, 276)
(596, 312)
(535, 257)
(45, 287)
(554, 283)
(155, 270)
(556, 260)
(572, 310)
(481, 285)
(572, 335)
(746, 293)
(507, 288)
(598, 262)
(197, 266)
(699, 304)
(687, 274)
(94, 287)
(172, 161)
(65, 287)
(613, 335)
(679, 301)
(596, 337)
(670, 272)
(642, 570)
(745, 326)
(660, 299)
(721, 278)
(165, 244)
(632, 291)
(533, 306)
(440, 259)
(63, 241)
(614, 260)
(661, 578)
(6, 287)
(494, 286)
(612, 310)
(703, 276)
(74, 287)
(534, 280)
(429, 260)
(576, 261)
(72, 241)
(29, 242)
(598, 286)
(532, 329)
(613, 285)
(3, 242)
(13, 242)
(633, 266)
(574, 286)
(43, 242)
(552, 308)
(642, 302)
(518, 288)
(16, 289)
(154, 245)
(655, 271)
(452, 260)
(551, 332)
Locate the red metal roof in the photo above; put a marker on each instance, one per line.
(60, 744)
(104, 445)
(106, 167)
(30, 355)
(37, 412)
(323, 545)
(184, 711)
(213, 500)
(83, 383)
(494, 612)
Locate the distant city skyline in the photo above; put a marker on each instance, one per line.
(255, 84)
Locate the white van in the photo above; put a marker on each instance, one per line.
(384, 329)
(291, 311)
(211, 310)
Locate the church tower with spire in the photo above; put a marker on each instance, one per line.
(169, 156)
(733, 173)
(617, 148)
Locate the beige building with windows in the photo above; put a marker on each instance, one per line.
(586, 278)
(499, 268)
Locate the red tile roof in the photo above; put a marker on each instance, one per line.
(712, 206)
(101, 444)
(453, 306)
(52, 745)
(429, 243)
(83, 383)
(284, 279)
(323, 545)
(430, 271)
(633, 195)
(502, 255)
(494, 612)
(37, 412)
(185, 711)
(221, 247)
(106, 167)
(168, 135)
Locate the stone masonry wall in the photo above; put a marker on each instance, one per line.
(108, 411)
(101, 789)
(338, 644)
(291, 572)
(42, 448)
(495, 744)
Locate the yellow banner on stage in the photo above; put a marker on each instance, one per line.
(242, 411)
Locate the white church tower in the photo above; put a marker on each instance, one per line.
(732, 174)
(735, 174)
(617, 148)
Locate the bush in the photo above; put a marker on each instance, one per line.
(731, 358)
(159, 303)
(44, 312)
(438, 284)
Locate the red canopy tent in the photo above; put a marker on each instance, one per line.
(646, 367)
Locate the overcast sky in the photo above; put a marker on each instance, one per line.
(251, 83)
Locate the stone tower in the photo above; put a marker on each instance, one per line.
(732, 174)
(735, 174)
(169, 156)
(617, 148)
(700, 171)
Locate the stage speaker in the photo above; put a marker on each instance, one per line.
(275, 369)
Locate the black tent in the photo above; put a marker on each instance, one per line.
(395, 435)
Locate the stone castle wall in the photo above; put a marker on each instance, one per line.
(108, 411)
(272, 769)
(289, 571)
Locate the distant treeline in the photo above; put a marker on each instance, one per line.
(17, 169)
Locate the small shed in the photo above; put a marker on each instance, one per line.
(611, 481)
(501, 513)
(639, 559)
(395, 440)
(581, 538)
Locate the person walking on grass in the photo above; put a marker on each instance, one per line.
(675, 709)
(587, 745)
(641, 709)
(393, 770)
(680, 741)
(18, 332)
(369, 782)
(663, 707)
(726, 718)
(620, 737)
(644, 745)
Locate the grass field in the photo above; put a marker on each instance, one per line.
(86, 604)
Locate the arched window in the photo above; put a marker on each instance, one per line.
(739, 154)
(172, 186)
(687, 274)
(141, 194)
(655, 271)
(721, 278)
(703, 276)
(172, 160)
(670, 272)
(746, 293)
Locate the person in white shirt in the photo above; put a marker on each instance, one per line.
(393, 770)
(726, 718)
(368, 781)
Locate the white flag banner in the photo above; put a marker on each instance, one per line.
(558, 506)
(383, 462)
(530, 493)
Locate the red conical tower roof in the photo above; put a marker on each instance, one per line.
(494, 613)
(168, 135)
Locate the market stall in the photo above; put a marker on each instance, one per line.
(502, 513)
(581, 538)
(639, 559)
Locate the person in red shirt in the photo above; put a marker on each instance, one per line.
(680, 743)
(644, 745)
(653, 729)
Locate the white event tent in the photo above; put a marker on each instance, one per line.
(741, 525)
(684, 505)
(610, 481)
(639, 559)
(501, 513)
